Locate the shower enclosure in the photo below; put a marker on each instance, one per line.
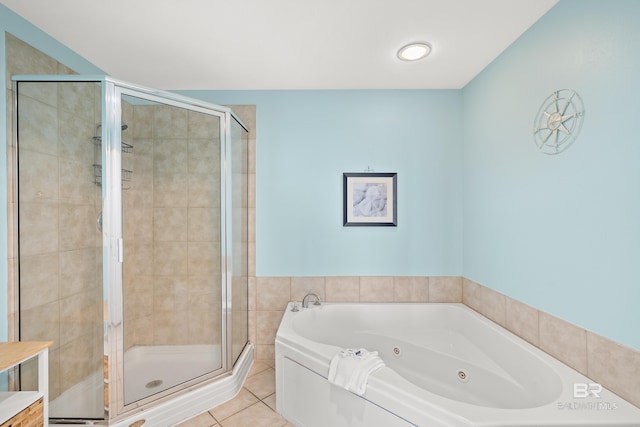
(131, 242)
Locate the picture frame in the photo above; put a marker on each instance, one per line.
(370, 199)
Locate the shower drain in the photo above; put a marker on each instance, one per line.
(153, 384)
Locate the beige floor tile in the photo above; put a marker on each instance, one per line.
(262, 384)
(270, 401)
(202, 420)
(258, 415)
(258, 366)
(243, 400)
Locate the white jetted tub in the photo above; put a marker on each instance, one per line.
(446, 365)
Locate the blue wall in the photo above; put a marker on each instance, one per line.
(561, 233)
(307, 139)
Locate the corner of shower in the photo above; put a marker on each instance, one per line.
(131, 220)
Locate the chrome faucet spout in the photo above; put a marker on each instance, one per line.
(309, 296)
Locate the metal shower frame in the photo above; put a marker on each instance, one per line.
(112, 91)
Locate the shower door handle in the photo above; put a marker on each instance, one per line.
(120, 250)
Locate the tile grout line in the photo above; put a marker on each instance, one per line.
(259, 400)
(219, 422)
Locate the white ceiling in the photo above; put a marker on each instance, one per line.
(284, 44)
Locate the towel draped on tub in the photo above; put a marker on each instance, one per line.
(350, 369)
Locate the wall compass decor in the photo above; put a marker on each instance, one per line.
(558, 121)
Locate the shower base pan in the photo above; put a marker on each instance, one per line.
(149, 368)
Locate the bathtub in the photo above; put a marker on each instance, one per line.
(446, 365)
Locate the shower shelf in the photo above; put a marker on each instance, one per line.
(97, 176)
(126, 148)
(97, 167)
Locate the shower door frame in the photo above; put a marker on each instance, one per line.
(112, 91)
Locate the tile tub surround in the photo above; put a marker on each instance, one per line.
(614, 366)
(268, 297)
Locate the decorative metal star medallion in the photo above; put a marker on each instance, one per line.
(558, 121)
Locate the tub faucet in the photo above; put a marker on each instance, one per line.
(307, 297)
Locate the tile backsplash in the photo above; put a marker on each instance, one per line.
(268, 297)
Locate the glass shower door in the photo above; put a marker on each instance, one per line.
(59, 241)
(130, 227)
(172, 274)
(239, 142)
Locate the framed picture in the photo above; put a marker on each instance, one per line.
(370, 199)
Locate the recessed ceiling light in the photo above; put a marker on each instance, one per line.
(414, 51)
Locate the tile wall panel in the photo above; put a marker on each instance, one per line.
(611, 364)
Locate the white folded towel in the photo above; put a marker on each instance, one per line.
(350, 369)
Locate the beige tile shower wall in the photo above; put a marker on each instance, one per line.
(137, 220)
(58, 219)
(203, 231)
(613, 365)
(269, 296)
(20, 58)
(172, 217)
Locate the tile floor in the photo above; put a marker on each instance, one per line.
(254, 406)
